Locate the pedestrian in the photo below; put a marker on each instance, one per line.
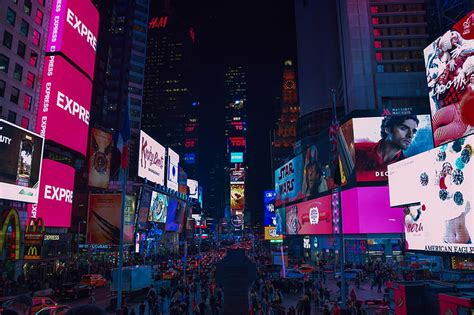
(141, 308)
(125, 309)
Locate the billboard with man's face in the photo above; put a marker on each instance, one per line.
(449, 62)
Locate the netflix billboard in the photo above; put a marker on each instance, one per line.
(73, 30)
(65, 100)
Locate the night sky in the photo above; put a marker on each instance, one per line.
(260, 34)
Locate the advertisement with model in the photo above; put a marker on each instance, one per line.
(20, 163)
(173, 170)
(65, 101)
(100, 155)
(449, 62)
(73, 30)
(443, 220)
(310, 217)
(151, 160)
(56, 194)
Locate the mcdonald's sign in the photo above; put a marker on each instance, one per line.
(11, 218)
(32, 252)
(34, 232)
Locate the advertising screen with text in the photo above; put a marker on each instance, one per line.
(158, 208)
(73, 30)
(65, 101)
(56, 194)
(20, 163)
(173, 173)
(310, 217)
(151, 161)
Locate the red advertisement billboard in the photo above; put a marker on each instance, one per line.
(367, 210)
(65, 98)
(73, 30)
(56, 192)
(310, 217)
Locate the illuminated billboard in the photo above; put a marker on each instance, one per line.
(103, 222)
(100, 155)
(442, 221)
(193, 186)
(269, 218)
(236, 157)
(310, 217)
(380, 141)
(237, 144)
(56, 193)
(173, 170)
(175, 215)
(367, 210)
(271, 234)
(450, 74)
(65, 101)
(143, 208)
(151, 160)
(73, 30)
(158, 207)
(237, 197)
(20, 163)
(237, 175)
(280, 220)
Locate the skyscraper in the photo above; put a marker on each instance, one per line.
(285, 132)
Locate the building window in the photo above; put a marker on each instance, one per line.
(18, 73)
(11, 116)
(36, 37)
(3, 85)
(21, 51)
(33, 58)
(27, 6)
(25, 122)
(15, 95)
(4, 63)
(27, 100)
(11, 17)
(24, 28)
(7, 39)
(30, 79)
(39, 17)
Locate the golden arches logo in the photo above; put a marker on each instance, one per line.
(33, 225)
(33, 251)
(7, 220)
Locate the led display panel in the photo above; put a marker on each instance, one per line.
(237, 197)
(173, 170)
(100, 155)
(193, 186)
(20, 163)
(73, 30)
(236, 157)
(151, 160)
(269, 218)
(171, 224)
(310, 217)
(158, 207)
(237, 175)
(144, 208)
(449, 62)
(65, 100)
(271, 234)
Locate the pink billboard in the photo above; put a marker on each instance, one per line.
(367, 210)
(310, 217)
(73, 30)
(56, 192)
(65, 100)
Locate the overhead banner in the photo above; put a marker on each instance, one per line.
(173, 170)
(449, 68)
(151, 161)
(64, 106)
(193, 186)
(310, 217)
(56, 194)
(103, 223)
(73, 30)
(100, 155)
(20, 163)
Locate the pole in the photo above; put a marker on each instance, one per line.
(120, 257)
(341, 253)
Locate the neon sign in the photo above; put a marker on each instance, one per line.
(190, 143)
(15, 234)
(158, 22)
(237, 141)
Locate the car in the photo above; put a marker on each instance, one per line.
(293, 274)
(54, 310)
(94, 280)
(71, 290)
(40, 303)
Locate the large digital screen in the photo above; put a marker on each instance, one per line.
(236, 157)
(144, 208)
(269, 218)
(65, 101)
(280, 221)
(310, 217)
(367, 210)
(103, 222)
(73, 30)
(158, 207)
(56, 193)
(193, 186)
(449, 72)
(172, 218)
(151, 160)
(380, 141)
(288, 181)
(173, 170)
(237, 197)
(20, 163)
(237, 175)
(100, 155)
(443, 220)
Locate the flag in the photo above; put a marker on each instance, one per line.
(122, 140)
